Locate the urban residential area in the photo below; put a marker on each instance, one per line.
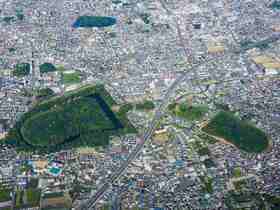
(139, 105)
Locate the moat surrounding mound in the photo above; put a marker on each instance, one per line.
(240, 133)
(83, 117)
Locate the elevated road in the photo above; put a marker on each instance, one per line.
(150, 130)
(160, 111)
(145, 138)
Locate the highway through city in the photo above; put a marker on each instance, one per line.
(159, 112)
(152, 127)
(146, 136)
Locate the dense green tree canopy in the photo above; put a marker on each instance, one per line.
(47, 67)
(240, 133)
(21, 69)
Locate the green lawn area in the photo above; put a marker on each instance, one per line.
(146, 105)
(71, 78)
(191, 113)
(79, 118)
(33, 196)
(237, 172)
(61, 68)
(5, 194)
(27, 198)
(243, 135)
(106, 207)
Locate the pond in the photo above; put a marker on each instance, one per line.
(94, 21)
(107, 110)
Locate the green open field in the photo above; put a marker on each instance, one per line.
(27, 198)
(240, 133)
(146, 105)
(183, 110)
(5, 194)
(71, 78)
(79, 118)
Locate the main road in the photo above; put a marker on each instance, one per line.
(160, 111)
(152, 127)
(145, 137)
